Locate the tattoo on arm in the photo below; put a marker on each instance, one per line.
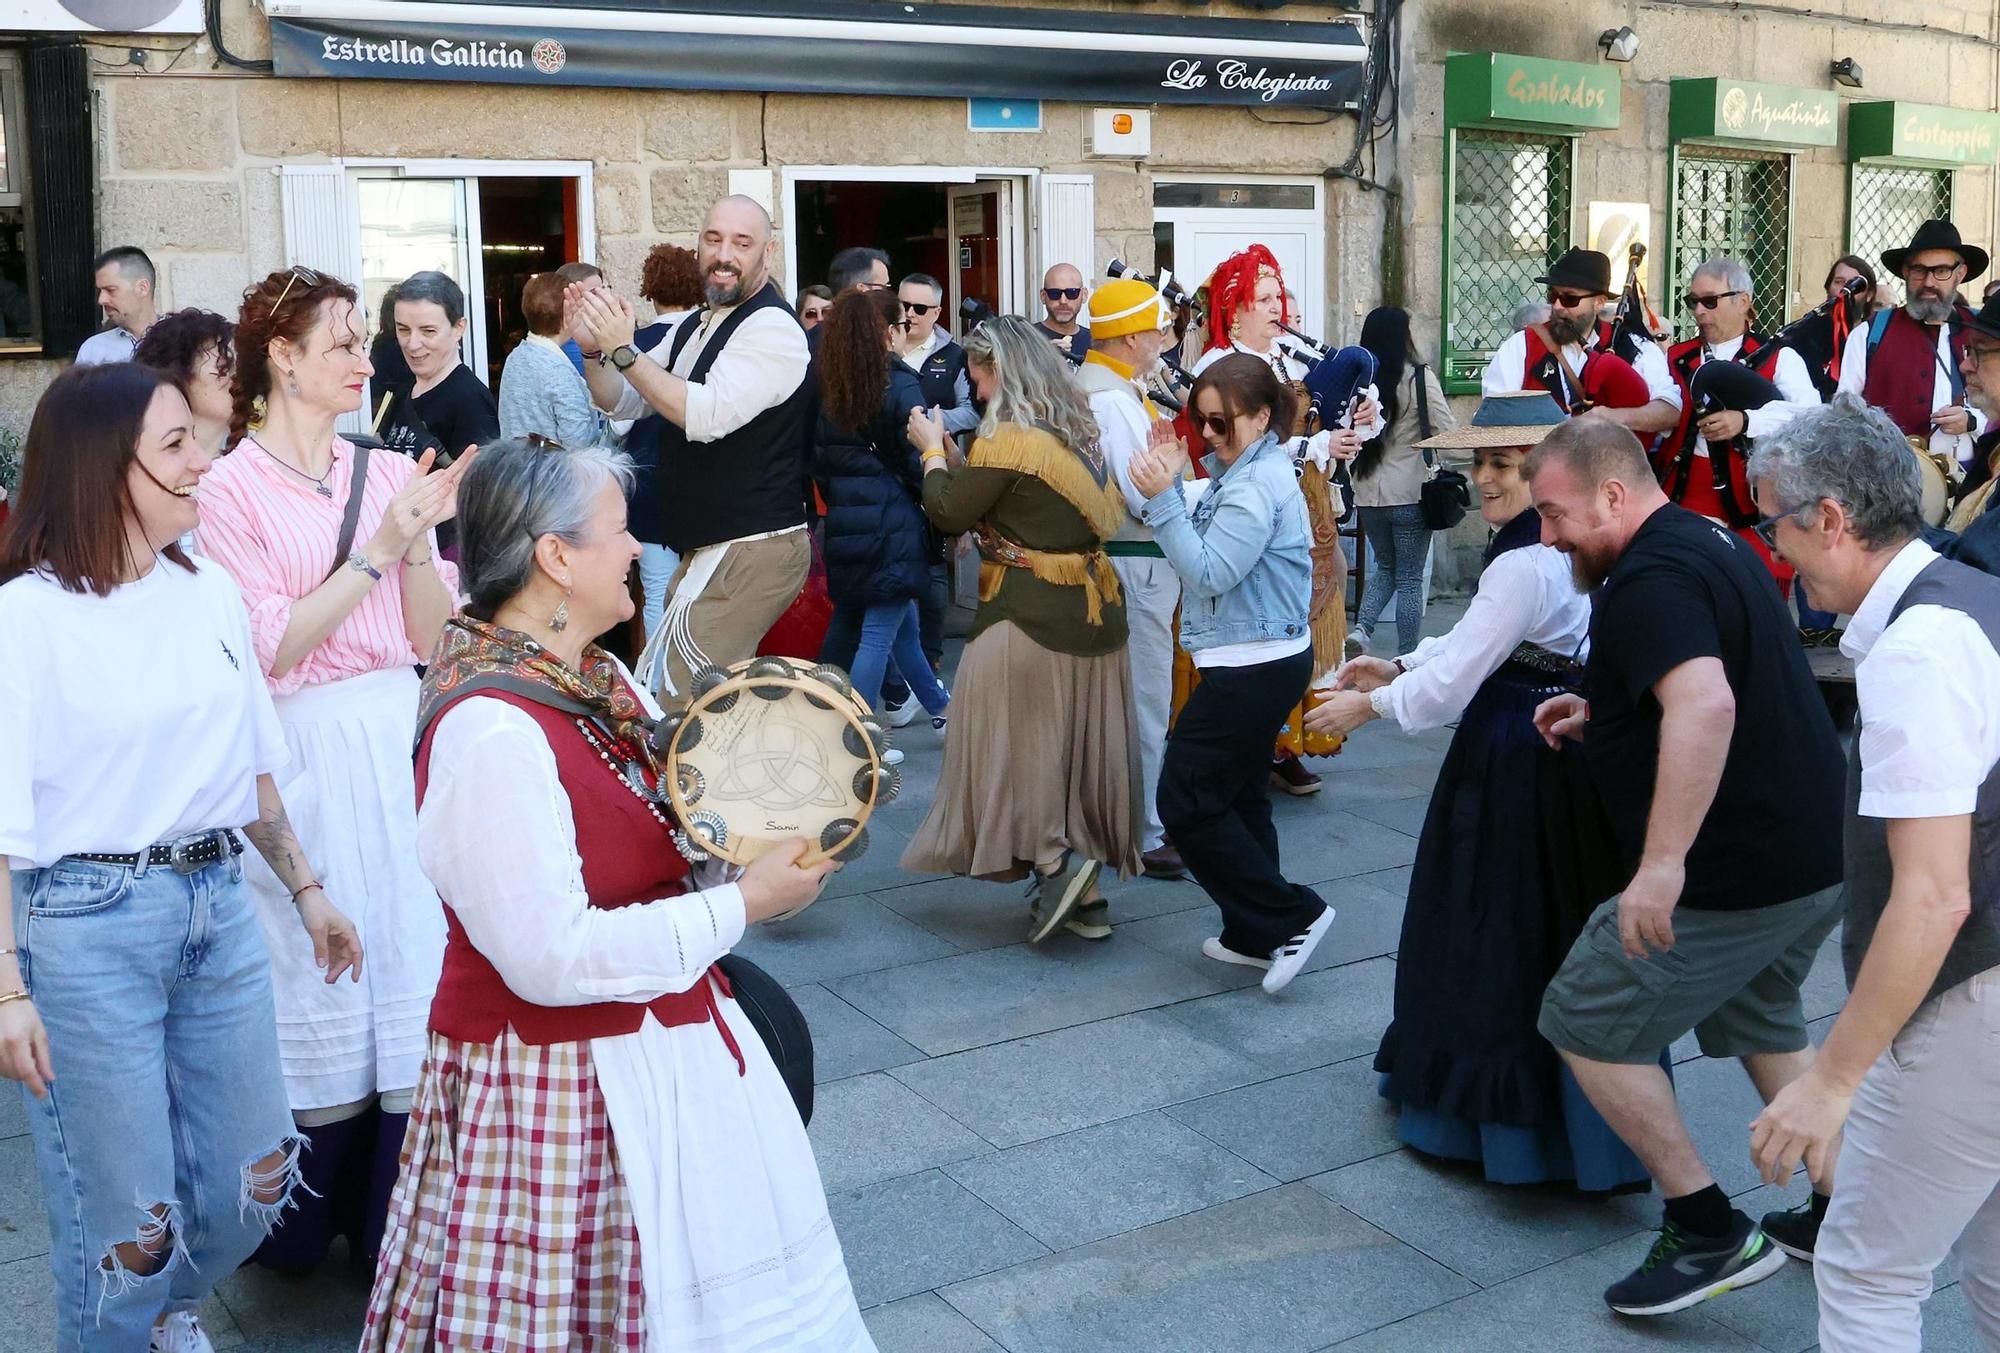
(272, 834)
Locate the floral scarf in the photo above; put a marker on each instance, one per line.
(475, 655)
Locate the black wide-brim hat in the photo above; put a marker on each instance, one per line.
(1583, 270)
(1987, 321)
(1937, 235)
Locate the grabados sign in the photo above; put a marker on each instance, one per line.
(1500, 87)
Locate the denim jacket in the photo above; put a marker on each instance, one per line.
(1243, 553)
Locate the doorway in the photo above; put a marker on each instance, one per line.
(526, 226)
(1197, 224)
(965, 228)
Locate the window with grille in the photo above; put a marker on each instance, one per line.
(1735, 204)
(1510, 220)
(1886, 204)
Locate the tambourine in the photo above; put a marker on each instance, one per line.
(768, 750)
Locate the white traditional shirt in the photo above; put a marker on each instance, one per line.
(1794, 382)
(764, 362)
(1854, 377)
(1507, 372)
(1930, 734)
(1524, 596)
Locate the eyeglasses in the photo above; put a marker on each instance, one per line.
(918, 308)
(306, 275)
(1211, 423)
(1979, 352)
(1767, 527)
(1917, 272)
(1693, 302)
(1570, 300)
(1062, 293)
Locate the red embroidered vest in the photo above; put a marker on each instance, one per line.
(628, 857)
(1607, 378)
(1903, 372)
(1690, 480)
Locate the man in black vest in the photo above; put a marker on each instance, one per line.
(1911, 1068)
(729, 381)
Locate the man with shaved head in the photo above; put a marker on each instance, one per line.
(1063, 297)
(729, 382)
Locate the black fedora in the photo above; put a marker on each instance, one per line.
(1937, 235)
(1582, 270)
(1987, 321)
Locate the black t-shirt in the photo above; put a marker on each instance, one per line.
(1687, 589)
(1079, 342)
(459, 411)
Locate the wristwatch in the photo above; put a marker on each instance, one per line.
(623, 356)
(358, 561)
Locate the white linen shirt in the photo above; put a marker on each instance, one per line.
(1508, 369)
(1794, 382)
(130, 719)
(764, 362)
(1930, 734)
(1525, 595)
(1854, 376)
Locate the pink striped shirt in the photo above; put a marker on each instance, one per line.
(276, 535)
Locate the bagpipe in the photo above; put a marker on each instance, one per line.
(1635, 322)
(1609, 378)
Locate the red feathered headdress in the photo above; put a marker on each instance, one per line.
(1233, 286)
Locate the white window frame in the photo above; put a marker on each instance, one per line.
(1016, 298)
(1311, 289)
(17, 152)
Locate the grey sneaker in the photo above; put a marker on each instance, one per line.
(1060, 893)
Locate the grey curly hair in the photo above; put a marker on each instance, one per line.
(1854, 455)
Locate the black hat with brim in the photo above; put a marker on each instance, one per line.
(1987, 321)
(1937, 235)
(1582, 270)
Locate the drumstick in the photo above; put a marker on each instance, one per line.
(381, 412)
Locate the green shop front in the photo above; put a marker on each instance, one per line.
(1902, 160)
(1511, 127)
(1732, 147)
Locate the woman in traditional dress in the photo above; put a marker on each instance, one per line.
(602, 1154)
(341, 616)
(1041, 771)
(1243, 556)
(135, 992)
(1512, 857)
(1249, 308)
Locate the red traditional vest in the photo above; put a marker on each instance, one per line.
(1607, 378)
(1903, 371)
(628, 857)
(1690, 480)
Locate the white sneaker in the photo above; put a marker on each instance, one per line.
(180, 1332)
(900, 716)
(1214, 948)
(1357, 643)
(1293, 954)
(892, 757)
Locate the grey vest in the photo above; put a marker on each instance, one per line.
(1977, 946)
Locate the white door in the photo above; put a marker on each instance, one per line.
(1199, 224)
(412, 225)
(987, 245)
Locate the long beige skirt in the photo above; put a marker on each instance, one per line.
(1041, 758)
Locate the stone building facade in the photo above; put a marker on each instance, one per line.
(209, 167)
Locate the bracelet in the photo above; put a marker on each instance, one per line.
(296, 891)
(597, 356)
(418, 563)
(15, 996)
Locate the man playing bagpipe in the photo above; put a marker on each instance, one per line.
(1571, 355)
(1735, 384)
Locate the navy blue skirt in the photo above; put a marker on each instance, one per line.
(1514, 855)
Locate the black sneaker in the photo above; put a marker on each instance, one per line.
(1795, 1232)
(1683, 1270)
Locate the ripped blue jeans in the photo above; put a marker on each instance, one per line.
(165, 1143)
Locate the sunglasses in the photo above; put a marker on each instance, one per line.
(1941, 273)
(541, 443)
(1062, 293)
(306, 275)
(1767, 527)
(1570, 300)
(918, 308)
(1214, 423)
(1694, 302)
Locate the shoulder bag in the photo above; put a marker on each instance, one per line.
(1445, 496)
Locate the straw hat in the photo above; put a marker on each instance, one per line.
(1516, 418)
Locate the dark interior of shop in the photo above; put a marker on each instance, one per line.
(526, 226)
(904, 220)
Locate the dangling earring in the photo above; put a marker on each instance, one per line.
(560, 620)
(292, 385)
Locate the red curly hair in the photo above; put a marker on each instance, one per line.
(284, 305)
(1232, 287)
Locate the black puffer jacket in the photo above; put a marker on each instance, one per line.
(876, 547)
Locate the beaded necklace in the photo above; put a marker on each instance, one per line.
(627, 764)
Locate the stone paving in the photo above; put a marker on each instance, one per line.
(1095, 1148)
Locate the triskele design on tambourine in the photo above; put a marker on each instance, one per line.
(768, 750)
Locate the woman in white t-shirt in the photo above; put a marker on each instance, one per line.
(135, 990)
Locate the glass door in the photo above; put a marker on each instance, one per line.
(412, 225)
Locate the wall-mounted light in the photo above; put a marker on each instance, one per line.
(1847, 71)
(1618, 44)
